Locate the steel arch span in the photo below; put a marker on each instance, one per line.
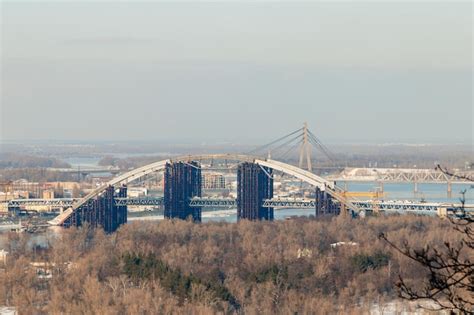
(305, 176)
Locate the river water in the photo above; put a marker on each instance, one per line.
(405, 191)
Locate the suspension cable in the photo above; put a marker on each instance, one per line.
(273, 142)
(287, 142)
(323, 149)
(327, 154)
(284, 155)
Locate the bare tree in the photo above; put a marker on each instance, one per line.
(450, 282)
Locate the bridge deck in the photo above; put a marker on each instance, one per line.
(230, 202)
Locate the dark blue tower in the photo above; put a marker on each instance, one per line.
(182, 182)
(254, 185)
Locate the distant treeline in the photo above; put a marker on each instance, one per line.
(15, 160)
(35, 175)
(383, 157)
(130, 162)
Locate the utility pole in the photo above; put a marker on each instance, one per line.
(305, 149)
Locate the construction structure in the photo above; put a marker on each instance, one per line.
(182, 182)
(324, 203)
(102, 211)
(254, 186)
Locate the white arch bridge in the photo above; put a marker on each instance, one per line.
(305, 176)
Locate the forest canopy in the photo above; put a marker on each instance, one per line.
(253, 267)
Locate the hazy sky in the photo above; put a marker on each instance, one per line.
(355, 71)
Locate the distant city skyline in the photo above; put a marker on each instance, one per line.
(236, 72)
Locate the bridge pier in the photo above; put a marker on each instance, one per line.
(182, 182)
(450, 190)
(101, 211)
(254, 185)
(324, 203)
(14, 211)
(319, 202)
(122, 210)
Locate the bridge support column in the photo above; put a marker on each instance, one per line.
(318, 202)
(101, 211)
(324, 203)
(450, 190)
(254, 185)
(122, 211)
(14, 211)
(415, 187)
(182, 182)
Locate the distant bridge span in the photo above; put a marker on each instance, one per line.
(306, 176)
(401, 175)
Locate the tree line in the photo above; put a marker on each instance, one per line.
(244, 268)
(16, 160)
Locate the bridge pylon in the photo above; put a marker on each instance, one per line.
(305, 149)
